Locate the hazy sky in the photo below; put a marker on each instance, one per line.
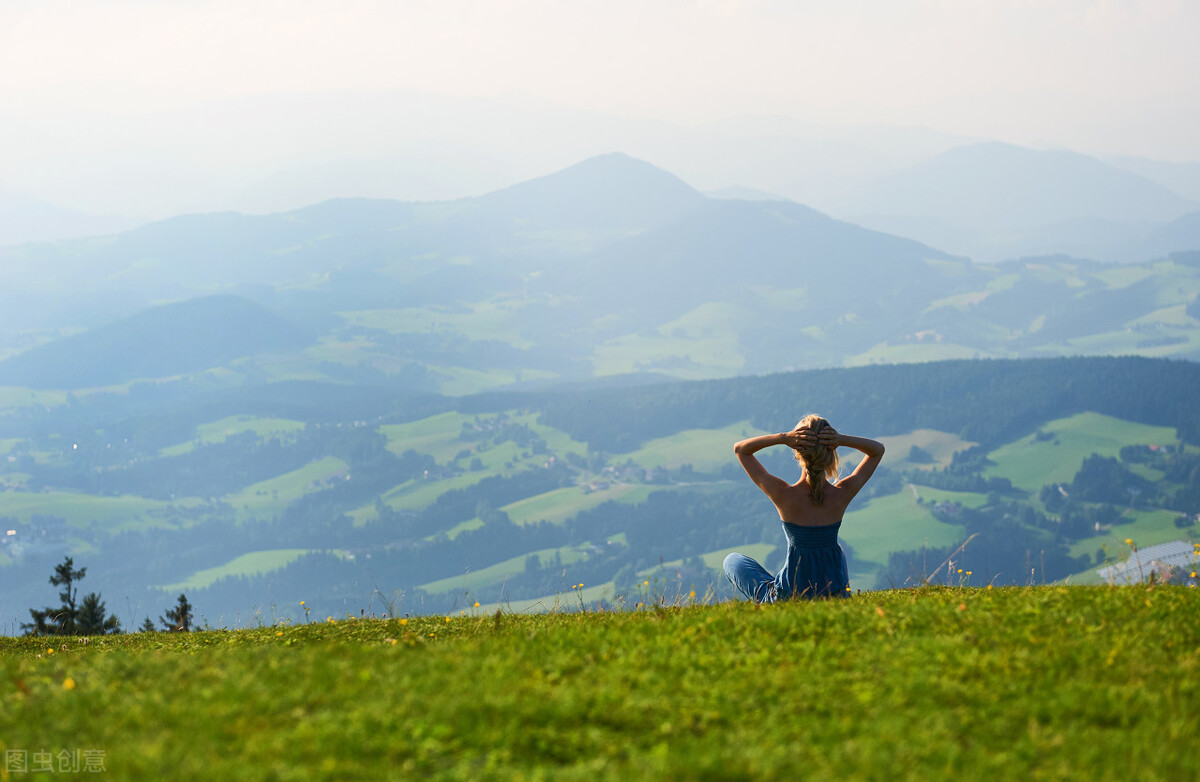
(1099, 76)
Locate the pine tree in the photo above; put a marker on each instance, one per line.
(94, 619)
(64, 619)
(148, 626)
(179, 618)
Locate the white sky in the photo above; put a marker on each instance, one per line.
(1103, 76)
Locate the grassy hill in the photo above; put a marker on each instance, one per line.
(971, 683)
(352, 492)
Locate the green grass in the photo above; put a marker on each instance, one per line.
(267, 498)
(436, 436)
(416, 494)
(114, 514)
(704, 449)
(498, 319)
(1005, 684)
(17, 396)
(498, 572)
(941, 446)
(251, 564)
(892, 523)
(912, 352)
(219, 431)
(1030, 465)
(561, 504)
(688, 358)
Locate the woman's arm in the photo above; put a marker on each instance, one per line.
(745, 451)
(873, 454)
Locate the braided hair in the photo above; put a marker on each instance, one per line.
(817, 461)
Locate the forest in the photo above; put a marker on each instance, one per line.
(356, 498)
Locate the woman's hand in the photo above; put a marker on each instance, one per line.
(798, 438)
(806, 437)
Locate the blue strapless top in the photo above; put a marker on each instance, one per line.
(816, 565)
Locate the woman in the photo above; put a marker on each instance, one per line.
(811, 510)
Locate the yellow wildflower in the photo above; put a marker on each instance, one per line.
(403, 621)
(1128, 541)
(477, 604)
(68, 683)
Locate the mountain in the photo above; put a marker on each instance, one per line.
(1183, 178)
(610, 194)
(995, 195)
(739, 193)
(610, 267)
(24, 219)
(734, 246)
(172, 339)
(1178, 235)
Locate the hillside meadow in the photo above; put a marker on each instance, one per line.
(936, 683)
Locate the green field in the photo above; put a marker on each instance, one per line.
(497, 573)
(219, 431)
(912, 352)
(1004, 684)
(266, 499)
(704, 449)
(17, 396)
(561, 504)
(418, 494)
(498, 319)
(1030, 464)
(686, 358)
(940, 445)
(440, 436)
(436, 436)
(251, 564)
(114, 514)
(893, 523)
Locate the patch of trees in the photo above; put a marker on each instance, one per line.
(989, 402)
(1013, 545)
(89, 615)
(1104, 479)
(217, 469)
(72, 616)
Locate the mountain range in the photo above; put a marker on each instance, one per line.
(612, 266)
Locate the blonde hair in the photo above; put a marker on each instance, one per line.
(817, 461)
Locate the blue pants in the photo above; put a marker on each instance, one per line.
(750, 578)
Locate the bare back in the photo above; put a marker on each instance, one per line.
(795, 504)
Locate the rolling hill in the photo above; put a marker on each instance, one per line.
(345, 492)
(173, 339)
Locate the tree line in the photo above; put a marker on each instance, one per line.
(90, 616)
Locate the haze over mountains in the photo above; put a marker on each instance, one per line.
(612, 266)
(984, 200)
(366, 394)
